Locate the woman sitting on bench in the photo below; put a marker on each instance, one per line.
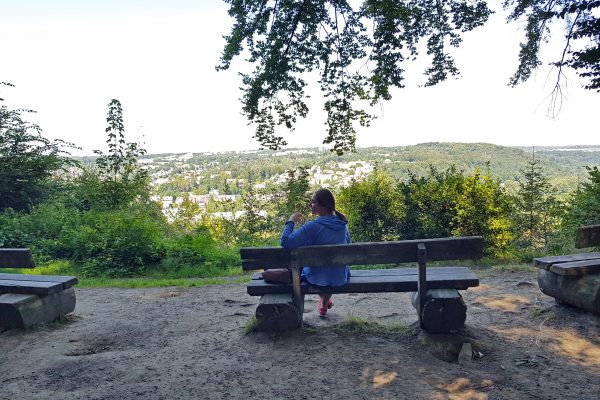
(330, 227)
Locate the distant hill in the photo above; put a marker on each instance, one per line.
(564, 165)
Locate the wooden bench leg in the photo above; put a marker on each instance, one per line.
(278, 312)
(579, 291)
(444, 310)
(25, 310)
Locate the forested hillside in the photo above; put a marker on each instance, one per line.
(230, 172)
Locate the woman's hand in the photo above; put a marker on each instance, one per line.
(296, 217)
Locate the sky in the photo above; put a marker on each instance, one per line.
(69, 58)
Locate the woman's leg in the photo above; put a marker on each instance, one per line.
(325, 303)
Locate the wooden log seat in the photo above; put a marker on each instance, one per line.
(574, 279)
(439, 305)
(26, 300)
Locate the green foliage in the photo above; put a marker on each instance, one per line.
(439, 204)
(538, 210)
(286, 39)
(137, 283)
(43, 230)
(484, 208)
(187, 215)
(430, 203)
(199, 254)
(117, 180)
(585, 208)
(116, 243)
(296, 190)
(373, 207)
(253, 221)
(28, 161)
(582, 36)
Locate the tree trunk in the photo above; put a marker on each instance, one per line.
(444, 310)
(579, 291)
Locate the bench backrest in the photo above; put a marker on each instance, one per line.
(588, 236)
(16, 258)
(455, 248)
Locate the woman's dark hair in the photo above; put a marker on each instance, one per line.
(325, 199)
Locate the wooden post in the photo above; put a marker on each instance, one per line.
(277, 312)
(580, 291)
(296, 289)
(422, 282)
(444, 310)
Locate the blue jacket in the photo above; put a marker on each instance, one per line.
(322, 230)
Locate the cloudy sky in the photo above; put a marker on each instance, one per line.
(69, 58)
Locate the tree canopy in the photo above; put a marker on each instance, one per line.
(359, 52)
(28, 160)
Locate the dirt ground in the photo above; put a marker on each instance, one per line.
(172, 343)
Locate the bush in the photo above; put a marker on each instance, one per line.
(42, 230)
(197, 254)
(116, 243)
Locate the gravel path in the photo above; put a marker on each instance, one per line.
(171, 343)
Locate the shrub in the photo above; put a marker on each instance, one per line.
(116, 243)
(197, 254)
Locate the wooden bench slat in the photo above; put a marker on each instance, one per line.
(266, 263)
(547, 262)
(30, 287)
(588, 236)
(441, 249)
(584, 267)
(396, 271)
(67, 281)
(16, 258)
(374, 284)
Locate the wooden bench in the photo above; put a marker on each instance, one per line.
(439, 305)
(26, 300)
(574, 279)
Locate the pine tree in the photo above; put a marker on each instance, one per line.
(537, 206)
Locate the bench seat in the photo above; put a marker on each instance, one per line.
(377, 281)
(575, 278)
(41, 285)
(27, 300)
(574, 264)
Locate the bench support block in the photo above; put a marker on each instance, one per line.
(444, 310)
(579, 291)
(25, 310)
(278, 312)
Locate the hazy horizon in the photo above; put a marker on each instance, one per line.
(594, 147)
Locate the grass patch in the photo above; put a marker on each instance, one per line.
(250, 326)
(136, 283)
(537, 312)
(355, 325)
(56, 267)
(184, 277)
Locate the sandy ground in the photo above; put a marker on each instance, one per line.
(187, 344)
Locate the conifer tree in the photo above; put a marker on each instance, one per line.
(537, 206)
